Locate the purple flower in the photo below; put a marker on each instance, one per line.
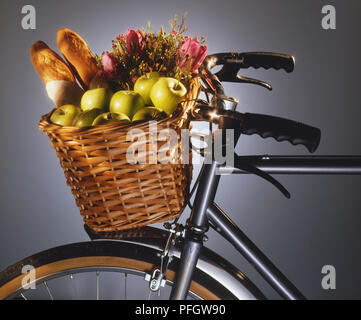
(135, 42)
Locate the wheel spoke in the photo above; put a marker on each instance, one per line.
(98, 274)
(74, 286)
(125, 286)
(22, 295)
(47, 288)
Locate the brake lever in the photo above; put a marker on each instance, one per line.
(229, 73)
(233, 61)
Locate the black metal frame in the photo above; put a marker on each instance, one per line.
(206, 213)
(310, 165)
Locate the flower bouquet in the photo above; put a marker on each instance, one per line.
(138, 52)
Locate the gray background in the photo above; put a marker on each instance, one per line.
(318, 226)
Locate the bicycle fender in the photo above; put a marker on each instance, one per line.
(209, 262)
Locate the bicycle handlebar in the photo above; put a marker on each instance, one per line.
(281, 129)
(266, 126)
(268, 60)
(256, 60)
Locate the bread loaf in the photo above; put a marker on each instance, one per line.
(64, 92)
(49, 65)
(78, 55)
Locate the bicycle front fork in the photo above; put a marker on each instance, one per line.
(188, 262)
(197, 226)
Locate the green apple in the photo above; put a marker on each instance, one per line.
(167, 93)
(144, 84)
(86, 118)
(127, 102)
(108, 117)
(65, 115)
(96, 98)
(149, 113)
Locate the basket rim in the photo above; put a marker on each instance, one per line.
(46, 125)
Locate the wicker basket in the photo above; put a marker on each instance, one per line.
(111, 193)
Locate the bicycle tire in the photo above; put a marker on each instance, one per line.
(103, 253)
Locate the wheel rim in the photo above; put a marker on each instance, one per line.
(97, 264)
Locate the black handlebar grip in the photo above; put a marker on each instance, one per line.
(282, 130)
(268, 60)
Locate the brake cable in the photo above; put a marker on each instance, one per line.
(205, 112)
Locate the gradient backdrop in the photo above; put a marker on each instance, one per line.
(320, 225)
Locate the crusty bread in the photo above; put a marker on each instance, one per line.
(64, 92)
(49, 64)
(78, 55)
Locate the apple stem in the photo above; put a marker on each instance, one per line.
(177, 85)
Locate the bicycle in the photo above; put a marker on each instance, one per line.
(176, 256)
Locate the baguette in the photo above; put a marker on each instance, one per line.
(64, 92)
(60, 82)
(78, 55)
(49, 65)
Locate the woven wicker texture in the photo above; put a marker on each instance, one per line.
(113, 194)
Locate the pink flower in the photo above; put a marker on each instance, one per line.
(135, 42)
(109, 62)
(120, 37)
(191, 55)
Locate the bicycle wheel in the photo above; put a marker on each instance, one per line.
(78, 270)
